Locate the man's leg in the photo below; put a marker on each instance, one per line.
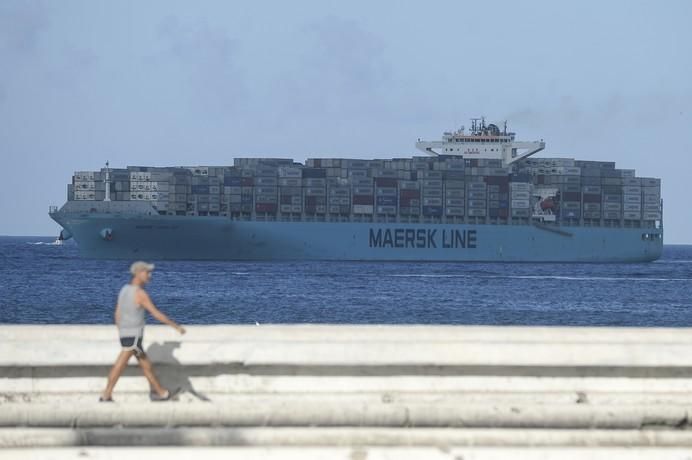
(116, 371)
(148, 371)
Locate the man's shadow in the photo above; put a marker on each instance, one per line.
(170, 374)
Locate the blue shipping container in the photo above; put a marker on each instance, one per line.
(432, 210)
(386, 200)
(200, 189)
(230, 181)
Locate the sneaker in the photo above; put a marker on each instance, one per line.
(171, 394)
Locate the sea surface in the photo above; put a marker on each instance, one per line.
(45, 283)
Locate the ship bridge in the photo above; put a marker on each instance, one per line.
(482, 141)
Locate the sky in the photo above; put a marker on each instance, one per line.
(163, 83)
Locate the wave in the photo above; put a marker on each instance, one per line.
(673, 261)
(43, 243)
(541, 277)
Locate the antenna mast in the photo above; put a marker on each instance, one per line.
(108, 183)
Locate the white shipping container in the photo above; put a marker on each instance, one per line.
(568, 171)
(631, 190)
(612, 207)
(290, 182)
(143, 186)
(84, 195)
(409, 185)
(199, 170)
(478, 212)
(457, 202)
(476, 195)
(632, 198)
(84, 175)
(455, 185)
(389, 191)
(432, 201)
(290, 171)
(84, 185)
(454, 211)
(632, 181)
(455, 193)
(651, 216)
(362, 209)
(476, 186)
(314, 191)
(386, 210)
(432, 183)
(632, 207)
(312, 182)
(144, 196)
(519, 186)
(520, 195)
(432, 192)
(520, 204)
(629, 215)
(591, 189)
(651, 182)
(140, 176)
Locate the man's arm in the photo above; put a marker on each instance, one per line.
(144, 300)
(116, 316)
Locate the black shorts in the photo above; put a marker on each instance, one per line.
(132, 343)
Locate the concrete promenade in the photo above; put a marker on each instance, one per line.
(304, 391)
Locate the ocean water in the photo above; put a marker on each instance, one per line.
(44, 283)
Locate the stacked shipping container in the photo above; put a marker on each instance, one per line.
(445, 188)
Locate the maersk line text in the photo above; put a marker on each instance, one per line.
(422, 238)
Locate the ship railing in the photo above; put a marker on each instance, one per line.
(52, 209)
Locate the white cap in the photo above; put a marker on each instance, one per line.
(141, 266)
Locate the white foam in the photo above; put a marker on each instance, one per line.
(541, 277)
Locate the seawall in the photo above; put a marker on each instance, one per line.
(361, 387)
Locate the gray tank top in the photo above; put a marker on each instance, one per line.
(132, 318)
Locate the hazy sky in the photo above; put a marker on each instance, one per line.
(171, 83)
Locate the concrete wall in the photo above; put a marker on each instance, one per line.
(417, 385)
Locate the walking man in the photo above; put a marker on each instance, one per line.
(133, 301)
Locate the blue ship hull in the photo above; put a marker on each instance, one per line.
(107, 236)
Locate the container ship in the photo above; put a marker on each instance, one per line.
(476, 195)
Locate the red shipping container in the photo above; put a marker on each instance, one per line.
(363, 199)
(385, 182)
(406, 202)
(404, 194)
(496, 180)
(266, 208)
(503, 212)
(247, 181)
